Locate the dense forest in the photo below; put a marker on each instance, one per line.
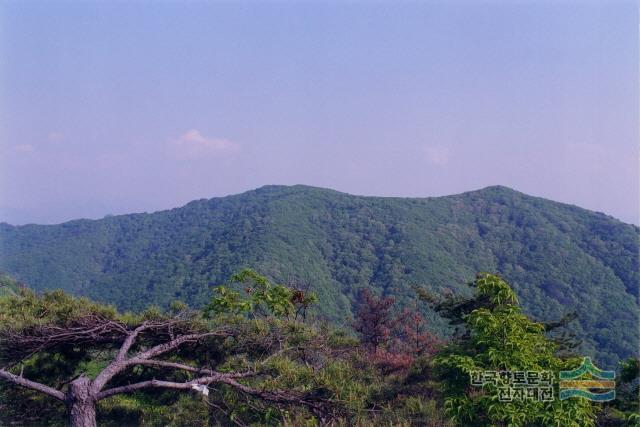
(257, 357)
(558, 258)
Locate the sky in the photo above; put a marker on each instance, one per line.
(119, 107)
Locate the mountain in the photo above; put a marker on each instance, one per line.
(558, 257)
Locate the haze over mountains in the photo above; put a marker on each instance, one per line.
(558, 257)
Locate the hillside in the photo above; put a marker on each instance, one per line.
(558, 257)
(8, 285)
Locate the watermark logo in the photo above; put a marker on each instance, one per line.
(517, 385)
(586, 377)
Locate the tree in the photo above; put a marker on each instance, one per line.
(624, 411)
(375, 320)
(392, 340)
(497, 336)
(262, 298)
(187, 350)
(416, 338)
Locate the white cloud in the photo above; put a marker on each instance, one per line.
(55, 136)
(24, 148)
(436, 155)
(193, 144)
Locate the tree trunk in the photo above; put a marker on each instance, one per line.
(81, 403)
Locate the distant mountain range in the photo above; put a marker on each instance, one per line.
(558, 257)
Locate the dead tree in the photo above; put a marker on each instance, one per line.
(132, 347)
(375, 320)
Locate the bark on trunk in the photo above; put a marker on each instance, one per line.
(81, 404)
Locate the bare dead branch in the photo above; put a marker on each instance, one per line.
(317, 405)
(129, 340)
(91, 328)
(120, 364)
(181, 366)
(216, 377)
(172, 365)
(8, 376)
(175, 343)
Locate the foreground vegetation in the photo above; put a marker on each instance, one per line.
(8, 285)
(256, 356)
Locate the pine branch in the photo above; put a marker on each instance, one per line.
(8, 376)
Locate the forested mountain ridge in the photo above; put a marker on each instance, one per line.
(558, 257)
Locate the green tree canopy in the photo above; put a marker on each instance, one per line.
(497, 336)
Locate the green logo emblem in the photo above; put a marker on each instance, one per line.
(581, 381)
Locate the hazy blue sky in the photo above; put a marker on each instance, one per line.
(117, 107)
